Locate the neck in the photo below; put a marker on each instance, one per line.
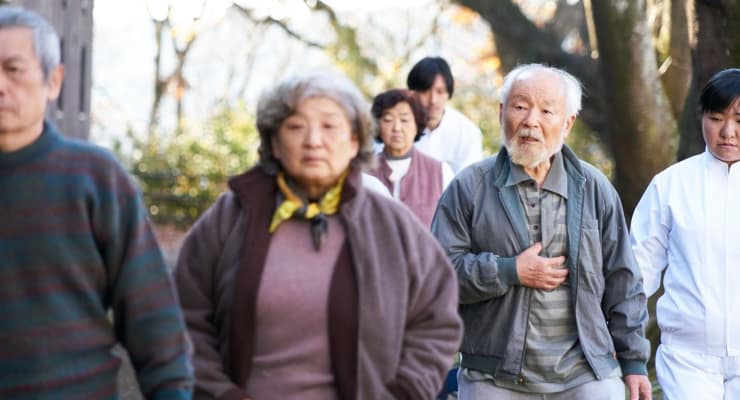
(16, 140)
(432, 125)
(539, 172)
(398, 155)
(315, 192)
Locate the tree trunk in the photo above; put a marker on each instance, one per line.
(677, 76)
(717, 48)
(640, 117)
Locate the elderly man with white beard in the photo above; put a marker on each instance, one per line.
(550, 292)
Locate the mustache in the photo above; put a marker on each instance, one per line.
(529, 133)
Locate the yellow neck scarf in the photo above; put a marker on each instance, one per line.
(314, 211)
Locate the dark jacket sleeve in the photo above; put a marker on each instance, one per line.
(196, 277)
(433, 328)
(481, 275)
(624, 303)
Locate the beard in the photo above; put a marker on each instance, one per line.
(529, 155)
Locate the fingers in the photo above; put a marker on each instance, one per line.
(647, 392)
(634, 392)
(639, 387)
(535, 248)
(554, 261)
(553, 282)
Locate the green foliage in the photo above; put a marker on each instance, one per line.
(590, 148)
(182, 174)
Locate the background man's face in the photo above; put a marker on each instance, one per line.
(434, 100)
(533, 119)
(23, 90)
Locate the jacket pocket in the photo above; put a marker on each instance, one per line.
(591, 259)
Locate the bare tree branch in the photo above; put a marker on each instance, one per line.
(160, 84)
(347, 47)
(518, 40)
(279, 23)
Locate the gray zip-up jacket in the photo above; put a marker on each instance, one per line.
(482, 226)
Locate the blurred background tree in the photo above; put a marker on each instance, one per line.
(182, 174)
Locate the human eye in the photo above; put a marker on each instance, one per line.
(293, 125)
(13, 68)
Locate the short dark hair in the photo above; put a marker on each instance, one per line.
(422, 75)
(720, 92)
(389, 99)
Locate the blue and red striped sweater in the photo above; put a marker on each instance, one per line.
(75, 242)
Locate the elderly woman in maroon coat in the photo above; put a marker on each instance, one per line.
(412, 177)
(298, 283)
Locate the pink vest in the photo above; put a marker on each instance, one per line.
(421, 187)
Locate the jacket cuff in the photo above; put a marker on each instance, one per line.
(233, 394)
(507, 271)
(173, 394)
(633, 367)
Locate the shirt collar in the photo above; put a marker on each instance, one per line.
(716, 164)
(556, 180)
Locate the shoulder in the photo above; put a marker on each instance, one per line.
(98, 167)
(598, 186)
(461, 121)
(594, 175)
(427, 160)
(219, 219)
(471, 181)
(683, 170)
(478, 172)
(224, 210)
(381, 211)
(83, 151)
(371, 182)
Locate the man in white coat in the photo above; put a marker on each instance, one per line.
(450, 136)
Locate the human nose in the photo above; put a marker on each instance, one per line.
(531, 119)
(434, 98)
(313, 136)
(728, 129)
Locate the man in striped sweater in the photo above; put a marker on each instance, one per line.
(75, 243)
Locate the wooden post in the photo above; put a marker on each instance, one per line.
(73, 21)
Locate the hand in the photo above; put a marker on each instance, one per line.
(639, 387)
(540, 272)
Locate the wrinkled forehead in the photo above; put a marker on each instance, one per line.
(541, 83)
(16, 41)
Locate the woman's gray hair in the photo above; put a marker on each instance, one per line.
(573, 89)
(45, 38)
(280, 102)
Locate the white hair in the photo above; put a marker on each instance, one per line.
(45, 38)
(571, 83)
